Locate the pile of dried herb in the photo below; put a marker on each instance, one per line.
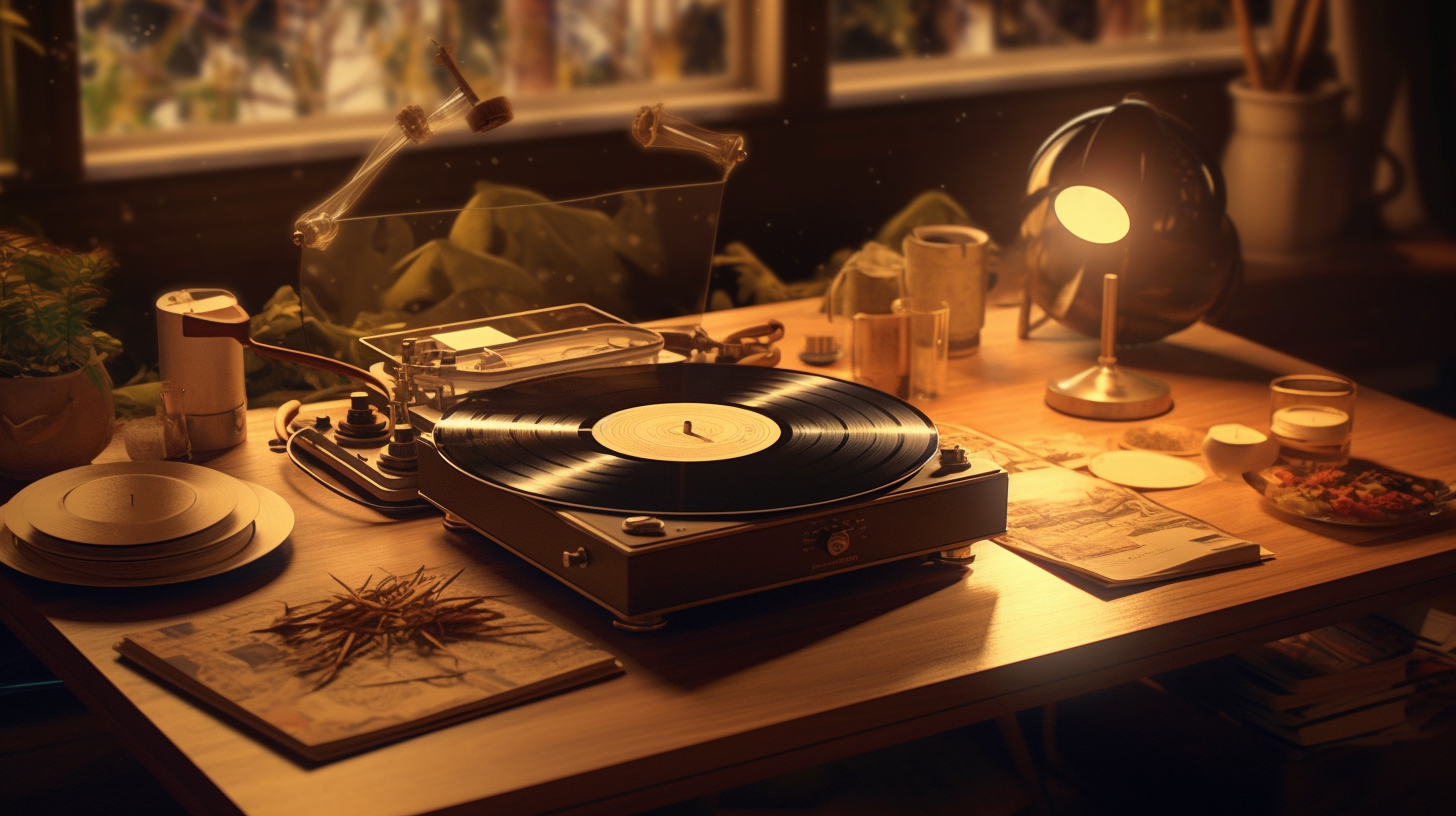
(412, 611)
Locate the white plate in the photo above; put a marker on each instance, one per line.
(1146, 470)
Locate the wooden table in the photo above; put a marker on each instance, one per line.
(750, 687)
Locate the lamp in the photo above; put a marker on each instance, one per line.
(1128, 196)
(1178, 253)
(1103, 391)
(1106, 391)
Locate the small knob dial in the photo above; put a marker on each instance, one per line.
(579, 559)
(644, 525)
(837, 542)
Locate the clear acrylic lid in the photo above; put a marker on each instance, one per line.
(521, 265)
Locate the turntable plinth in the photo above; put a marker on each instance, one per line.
(696, 560)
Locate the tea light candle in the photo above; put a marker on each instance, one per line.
(1315, 424)
(1233, 450)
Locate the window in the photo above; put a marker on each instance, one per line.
(13, 36)
(233, 81)
(888, 49)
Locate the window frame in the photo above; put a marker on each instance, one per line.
(790, 73)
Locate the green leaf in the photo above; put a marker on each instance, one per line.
(96, 375)
(48, 298)
(441, 268)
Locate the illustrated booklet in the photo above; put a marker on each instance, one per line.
(390, 659)
(1107, 534)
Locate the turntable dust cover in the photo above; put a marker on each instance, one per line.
(239, 663)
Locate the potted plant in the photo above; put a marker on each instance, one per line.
(56, 409)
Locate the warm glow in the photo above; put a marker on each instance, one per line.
(1091, 215)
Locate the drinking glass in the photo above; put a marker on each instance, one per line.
(1313, 417)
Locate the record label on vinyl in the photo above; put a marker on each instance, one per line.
(687, 439)
(686, 432)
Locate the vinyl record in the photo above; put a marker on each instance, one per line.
(127, 503)
(241, 517)
(164, 566)
(687, 439)
(268, 530)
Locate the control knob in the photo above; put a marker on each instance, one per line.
(837, 542)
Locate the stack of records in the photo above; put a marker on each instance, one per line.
(139, 524)
(1314, 688)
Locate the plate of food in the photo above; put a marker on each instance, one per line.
(1359, 493)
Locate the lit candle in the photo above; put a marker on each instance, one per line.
(1315, 424)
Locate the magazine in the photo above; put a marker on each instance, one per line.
(1109, 534)
(242, 663)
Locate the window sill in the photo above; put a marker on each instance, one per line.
(182, 152)
(871, 83)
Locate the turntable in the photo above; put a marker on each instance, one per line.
(643, 464)
(655, 488)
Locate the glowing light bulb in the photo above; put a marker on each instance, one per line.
(1092, 215)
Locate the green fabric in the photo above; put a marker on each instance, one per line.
(511, 250)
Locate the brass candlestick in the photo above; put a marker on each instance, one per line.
(1105, 391)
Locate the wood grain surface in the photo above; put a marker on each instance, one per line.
(745, 688)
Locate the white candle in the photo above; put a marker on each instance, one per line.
(1315, 424)
(1232, 450)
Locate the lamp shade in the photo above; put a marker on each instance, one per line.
(1132, 191)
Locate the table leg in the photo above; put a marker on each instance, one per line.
(1026, 766)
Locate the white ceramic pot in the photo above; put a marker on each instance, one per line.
(1287, 172)
(50, 424)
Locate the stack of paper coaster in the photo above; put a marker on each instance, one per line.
(139, 523)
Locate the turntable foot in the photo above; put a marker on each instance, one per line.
(959, 555)
(454, 522)
(645, 623)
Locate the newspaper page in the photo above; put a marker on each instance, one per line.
(1110, 534)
